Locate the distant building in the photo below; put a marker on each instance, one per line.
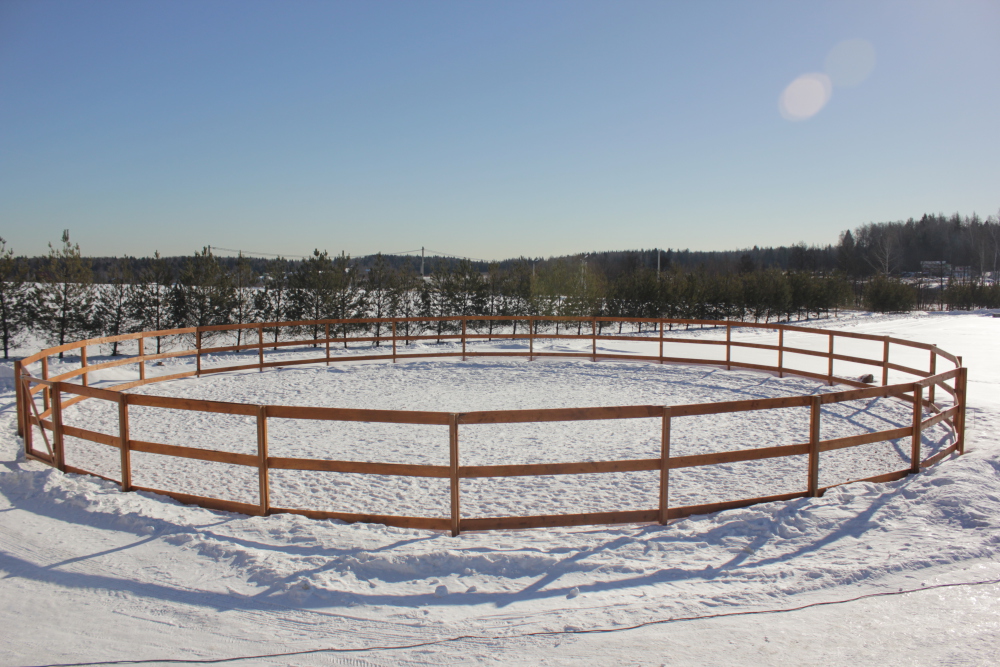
(935, 267)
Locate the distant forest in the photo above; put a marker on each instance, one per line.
(936, 261)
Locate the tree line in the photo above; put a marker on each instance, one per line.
(65, 296)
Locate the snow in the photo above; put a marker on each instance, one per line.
(91, 574)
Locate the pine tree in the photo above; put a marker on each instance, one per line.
(13, 299)
(312, 290)
(381, 294)
(243, 282)
(204, 295)
(112, 310)
(150, 303)
(64, 295)
(272, 301)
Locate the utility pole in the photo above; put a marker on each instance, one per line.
(657, 262)
(421, 261)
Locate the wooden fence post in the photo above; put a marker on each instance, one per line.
(328, 343)
(933, 371)
(729, 349)
(83, 364)
(665, 467)
(58, 448)
(142, 357)
(465, 319)
(781, 352)
(961, 380)
(531, 339)
(453, 461)
(123, 435)
(814, 416)
(885, 362)
(197, 345)
(45, 390)
(830, 367)
(918, 416)
(394, 341)
(28, 405)
(19, 401)
(265, 482)
(593, 340)
(260, 346)
(661, 341)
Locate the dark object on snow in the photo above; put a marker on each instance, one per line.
(867, 379)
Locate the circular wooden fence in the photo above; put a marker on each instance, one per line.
(41, 401)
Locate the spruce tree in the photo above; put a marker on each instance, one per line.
(113, 306)
(13, 299)
(63, 298)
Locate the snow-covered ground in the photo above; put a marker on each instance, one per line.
(91, 574)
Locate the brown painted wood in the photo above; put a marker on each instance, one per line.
(20, 402)
(198, 353)
(918, 415)
(124, 442)
(260, 347)
(738, 456)
(45, 376)
(394, 342)
(92, 436)
(960, 386)
(359, 467)
(141, 354)
(729, 347)
(815, 413)
(944, 453)
(196, 405)
(80, 471)
(90, 392)
(264, 492)
(864, 439)
(664, 463)
(593, 340)
(417, 522)
(710, 508)
(456, 516)
(885, 362)
(58, 443)
(204, 501)
(535, 469)
(829, 371)
(740, 406)
(876, 479)
(83, 364)
(556, 520)
(940, 417)
(781, 353)
(464, 322)
(358, 415)
(560, 414)
(932, 371)
(212, 455)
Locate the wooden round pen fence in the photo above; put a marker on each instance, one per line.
(58, 392)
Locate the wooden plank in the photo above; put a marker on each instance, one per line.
(885, 362)
(204, 501)
(417, 522)
(739, 455)
(581, 468)
(710, 508)
(359, 467)
(665, 462)
(264, 492)
(940, 417)
(918, 414)
(960, 387)
(358, 415)
(91, 392)
(173, 403)
(740, 406)
(453, 474)
(92, 436)
(815, 413)
(141, 357)
(42, 457)
(864, 439)
(160, 378)
(556, 520)
(560, 414)
(876, 479)
(868, 392)
(58, 444)
(212, 455)
(80, 471)
(124, 443)
(944, 453)
(19, 397)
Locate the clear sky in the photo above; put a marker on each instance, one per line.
(490, 129)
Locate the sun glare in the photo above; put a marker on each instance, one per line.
(805, 96)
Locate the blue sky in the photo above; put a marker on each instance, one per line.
(485, 129)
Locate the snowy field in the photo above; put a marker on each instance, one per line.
(78, 558)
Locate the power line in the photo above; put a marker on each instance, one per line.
(544, 633)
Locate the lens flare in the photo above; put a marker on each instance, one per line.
(850, 62)
(805, 96)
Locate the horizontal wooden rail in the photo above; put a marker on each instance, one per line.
(57, 394)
